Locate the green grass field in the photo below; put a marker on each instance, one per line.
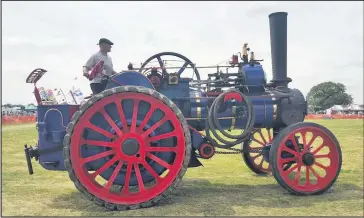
(224, 186)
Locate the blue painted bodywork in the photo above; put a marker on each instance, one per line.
(52, 121)
(254, 78)
(193, 103)
(129, 78)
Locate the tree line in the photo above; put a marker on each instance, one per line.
(327, 94)
(8, 105)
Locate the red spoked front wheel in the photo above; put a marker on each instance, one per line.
(314, 155)
(127, 147)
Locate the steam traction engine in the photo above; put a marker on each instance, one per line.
(129, 146)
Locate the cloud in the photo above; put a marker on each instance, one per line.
(325, 41)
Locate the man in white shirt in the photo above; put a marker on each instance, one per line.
(98, 84)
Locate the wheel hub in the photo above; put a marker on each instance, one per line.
(130, 147)
(207, 150)
(265, 152)
(308, 159)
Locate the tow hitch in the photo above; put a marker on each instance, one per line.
(31, 152)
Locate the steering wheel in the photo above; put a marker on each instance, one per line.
(187, 62)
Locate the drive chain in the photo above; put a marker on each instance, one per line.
(238, 151)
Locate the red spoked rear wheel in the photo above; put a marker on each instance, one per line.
(314, 155)
(130, 167)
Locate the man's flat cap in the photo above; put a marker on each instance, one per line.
(105, 41)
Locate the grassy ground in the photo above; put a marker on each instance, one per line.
(224, 186)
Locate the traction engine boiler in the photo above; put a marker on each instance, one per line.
(150, 124)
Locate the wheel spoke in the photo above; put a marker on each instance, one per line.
(111, 122)
(269, 167)
(158, 160)
(256, 156)
(135, 116)
(180, 71)
(151, 171)
(122, 116)
(156, 125)
(314, 136)
(269, 135)
(305, 145)
(261, 163)
(97, 156)
(162, 136)
(97, 143)
(99, 130)
(322, 156)
(315, 173)
(113, 176)
(291, 169)
(261, 136)
(318, 149)
(161, 149)
(286, 160)
(298, 174)
(257, 141)
(290, 151)
(104, 167)
(127, 178)
(321, 166)
(147, 117)
(139, 177)
(161, 64)
(292, 138)
(307, 175)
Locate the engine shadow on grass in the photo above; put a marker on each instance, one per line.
(197, 196)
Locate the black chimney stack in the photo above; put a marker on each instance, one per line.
(278, 40)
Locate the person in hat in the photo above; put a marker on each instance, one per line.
(97, 84)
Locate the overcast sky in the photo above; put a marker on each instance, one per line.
(325, 39)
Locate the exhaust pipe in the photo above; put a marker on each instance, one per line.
(278, 41)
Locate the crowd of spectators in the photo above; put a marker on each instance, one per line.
(17, 113)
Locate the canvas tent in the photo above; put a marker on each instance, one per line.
(336, 109)
(354, 107)
(339, 109)
(30, 108)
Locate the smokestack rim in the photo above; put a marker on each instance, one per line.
(278, 13)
